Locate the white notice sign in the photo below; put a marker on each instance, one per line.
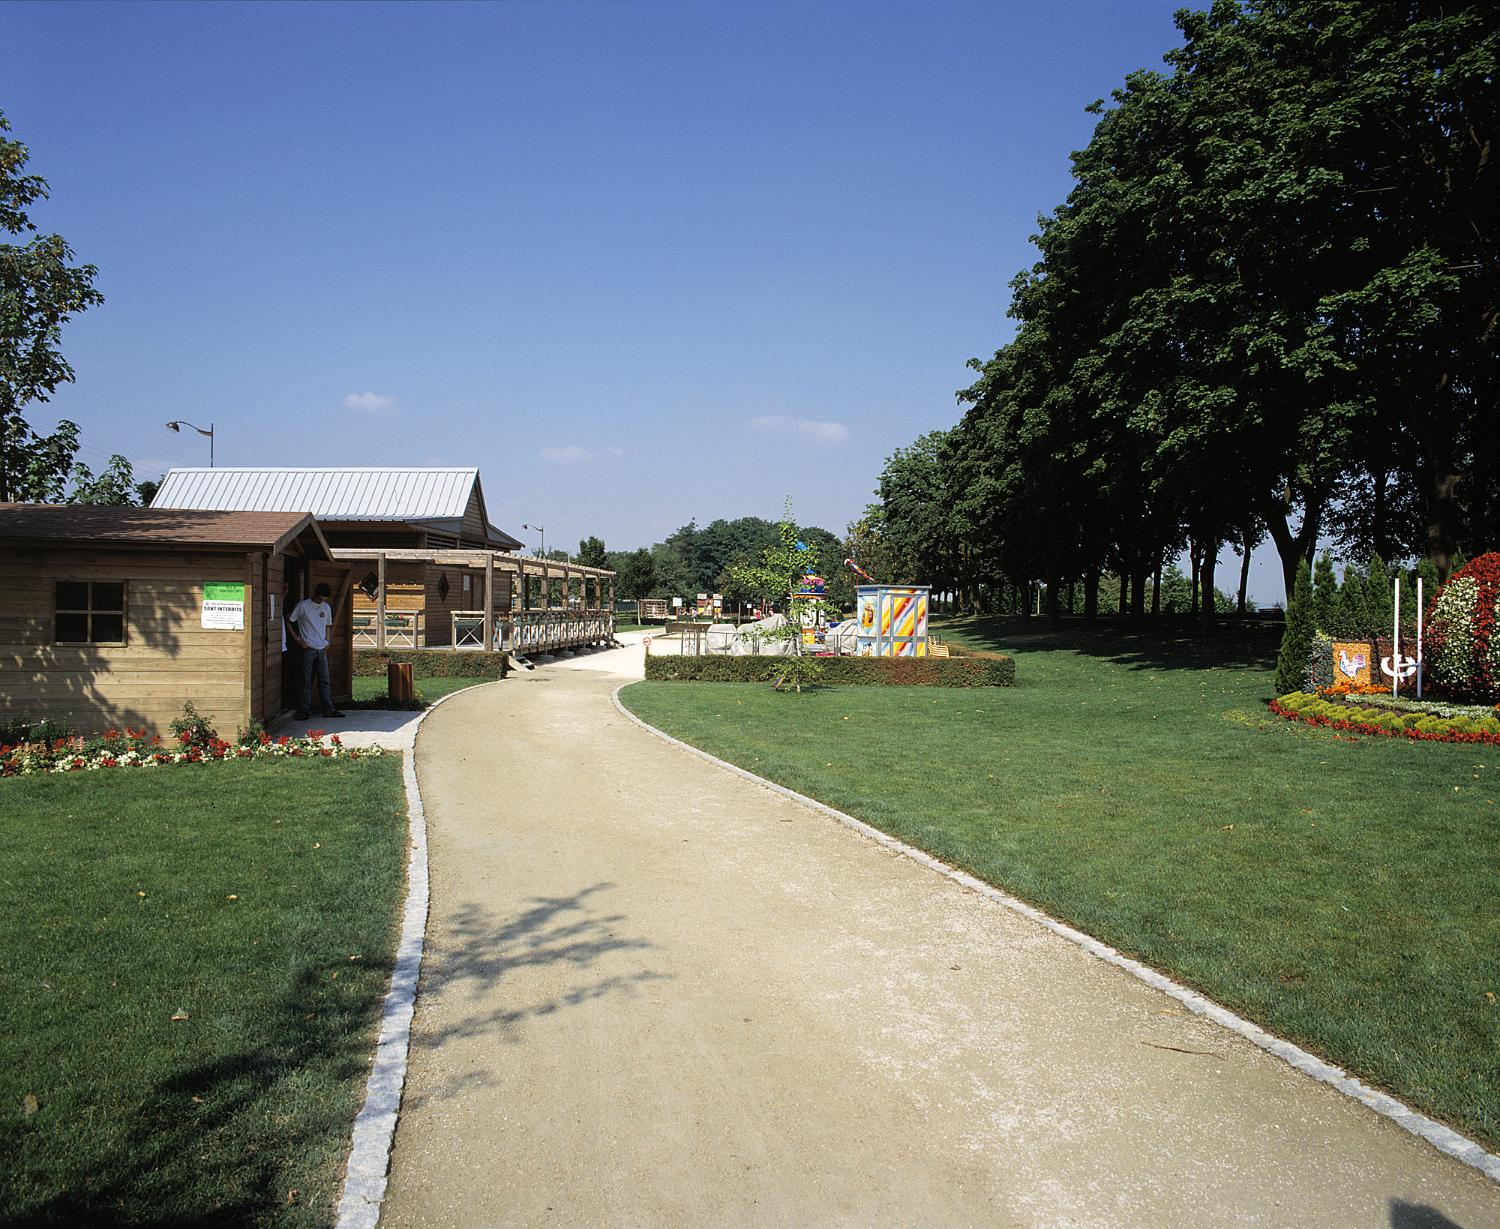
(223, 607)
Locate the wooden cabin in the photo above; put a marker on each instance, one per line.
(115, 617)
(429, 511)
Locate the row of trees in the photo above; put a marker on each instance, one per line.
(1269, 307)
(712, 559)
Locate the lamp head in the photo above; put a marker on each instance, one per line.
(172, 426)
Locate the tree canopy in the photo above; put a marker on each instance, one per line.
(40, 290)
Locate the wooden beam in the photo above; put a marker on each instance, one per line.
(380, 601)
(489, 602)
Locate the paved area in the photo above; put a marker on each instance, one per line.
(657, 994)
(359, 727)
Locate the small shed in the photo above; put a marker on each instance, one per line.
(114, 617)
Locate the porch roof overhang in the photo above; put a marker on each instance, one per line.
(502, 561)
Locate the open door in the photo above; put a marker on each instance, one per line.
(291, 660)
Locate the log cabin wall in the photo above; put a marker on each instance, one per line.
(167, 658)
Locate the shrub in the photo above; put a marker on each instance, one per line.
(434, 663)
(1463, 651)
(192, 729)
(988, 670)
(1296, 640)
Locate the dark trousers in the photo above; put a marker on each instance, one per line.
(316, 659)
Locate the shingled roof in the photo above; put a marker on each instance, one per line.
(113, 526)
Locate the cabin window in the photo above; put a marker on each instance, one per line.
(89, 612)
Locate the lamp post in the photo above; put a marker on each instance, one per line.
(177, 424)
(541, 529)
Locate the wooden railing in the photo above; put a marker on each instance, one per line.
(403, 629)
(538, 631)
(534, 631)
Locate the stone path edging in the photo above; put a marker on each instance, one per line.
(375, 1125)
(1441, 1137)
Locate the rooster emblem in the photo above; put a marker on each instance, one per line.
(1351, 666)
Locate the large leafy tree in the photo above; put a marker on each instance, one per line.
(40, 290)
(1268, 306)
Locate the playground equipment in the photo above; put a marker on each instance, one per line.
(891, 620)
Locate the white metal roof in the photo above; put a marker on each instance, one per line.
(332, 494)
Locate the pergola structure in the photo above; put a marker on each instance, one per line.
(529, 605)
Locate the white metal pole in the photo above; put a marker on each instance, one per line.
(1419, 637)
(1396, 644)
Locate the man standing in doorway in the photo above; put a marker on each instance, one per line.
(309, 623)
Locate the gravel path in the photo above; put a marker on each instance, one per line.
(660, 995)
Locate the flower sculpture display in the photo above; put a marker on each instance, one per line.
(1463, 651)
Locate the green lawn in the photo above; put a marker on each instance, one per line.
(258, 901)
(367, 687)
(1340, 891)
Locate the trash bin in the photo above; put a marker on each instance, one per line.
(398, 682)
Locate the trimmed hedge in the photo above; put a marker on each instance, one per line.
(434, 663)
(974, 670)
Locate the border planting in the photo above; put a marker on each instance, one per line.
(1381, 720)
(988, 670)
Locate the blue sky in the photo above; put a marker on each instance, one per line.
(640, 262)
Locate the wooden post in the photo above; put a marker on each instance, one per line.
(380, 601)
(489, 600)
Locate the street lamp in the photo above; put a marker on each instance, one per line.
(177, 424)
(541, 529)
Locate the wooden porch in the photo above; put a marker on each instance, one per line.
(524, 605)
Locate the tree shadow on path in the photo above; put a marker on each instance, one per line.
(477, 955)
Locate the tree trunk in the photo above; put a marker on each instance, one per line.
(1244, 575)
(1091, 595)
(1207, 610)
(1156, 589)
(1124, 592)
(1054, 609)
(1293, 548)
(1138, 594)
(1193, 586)
(1442, 512)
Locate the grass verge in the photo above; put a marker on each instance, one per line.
(1338, 890)
(367, 687)
(191, 966)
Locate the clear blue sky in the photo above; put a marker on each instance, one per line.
(639, 262)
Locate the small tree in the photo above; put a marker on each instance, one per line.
(591, 553)
(1352, 616)
(1380, 600)
(1296, 640)
(775, 577)
(1325, 594)
(115, 484)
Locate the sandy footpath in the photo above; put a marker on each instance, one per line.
(657, 994)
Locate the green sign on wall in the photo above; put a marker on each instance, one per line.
(223, 606)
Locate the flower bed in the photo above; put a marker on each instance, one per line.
(133, 749)
(1380, 719)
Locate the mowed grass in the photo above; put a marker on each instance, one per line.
(258, 901)
(367, 687)
(1342, 892)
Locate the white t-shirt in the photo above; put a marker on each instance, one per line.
(312, 620)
